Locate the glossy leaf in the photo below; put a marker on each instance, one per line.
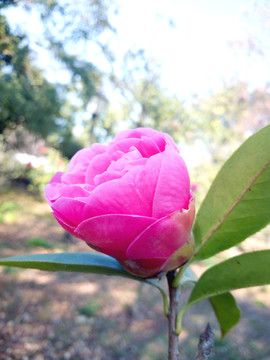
(75, 262)
(238, 202)
(226, 310)
(250, 269)
(246, 270)
(78, 262)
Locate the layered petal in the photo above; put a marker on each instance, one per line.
(164, 237)
(57, 178)
(151, 267)
(172, 191)
(54, 191)
(112, 234)
(69, 210)
(64, 223)
(158, 137)
(84, 156)
(146, 146)
(97, 166)
(116, 197)
(180, 256)
(76, 176)
(118, 168)
(145, 178)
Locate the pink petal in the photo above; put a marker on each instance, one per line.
(68, 227)
(145, 178)
(146, 146)
(180, 256)
(158, 137)
(112, 175)
(136, 133)
(126, 159)
(54, 191)
(116, 197)
(164, 237)
(56, 178)
(123, 145)
(69, 210)
(170, 142)
(112, 234)
(130, 133)
(173, 185)
(85, 155)
(107, 176)
(98, 165)
(76, 176)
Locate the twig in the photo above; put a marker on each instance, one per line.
(206, 343)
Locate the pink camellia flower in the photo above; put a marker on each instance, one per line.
(129, 199)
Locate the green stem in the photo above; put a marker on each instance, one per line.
(178, 326)
(163, 294)
(178, 276)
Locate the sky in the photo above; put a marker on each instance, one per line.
(193, 51)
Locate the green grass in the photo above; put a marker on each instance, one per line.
(10, 270)
(89, 309)
(260, 304)
(8, 211)
(39, 242)
(6, 245)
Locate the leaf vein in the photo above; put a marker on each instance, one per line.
(234, 204)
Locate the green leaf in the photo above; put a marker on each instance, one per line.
(246, 270)
(238, 202)
(75, 262)
(250, 269)
(226, 310)
(78, 262)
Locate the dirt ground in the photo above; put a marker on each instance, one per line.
(61, 316)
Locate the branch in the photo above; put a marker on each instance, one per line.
(205, 344)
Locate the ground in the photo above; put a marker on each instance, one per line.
(65, 316)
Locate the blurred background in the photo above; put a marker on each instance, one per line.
(75, 73)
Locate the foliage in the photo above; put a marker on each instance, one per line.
(40, 176)
(238, 203)
(26, 97)
(10, 169)
(27, 162)
(87, 21)
(8, 211)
